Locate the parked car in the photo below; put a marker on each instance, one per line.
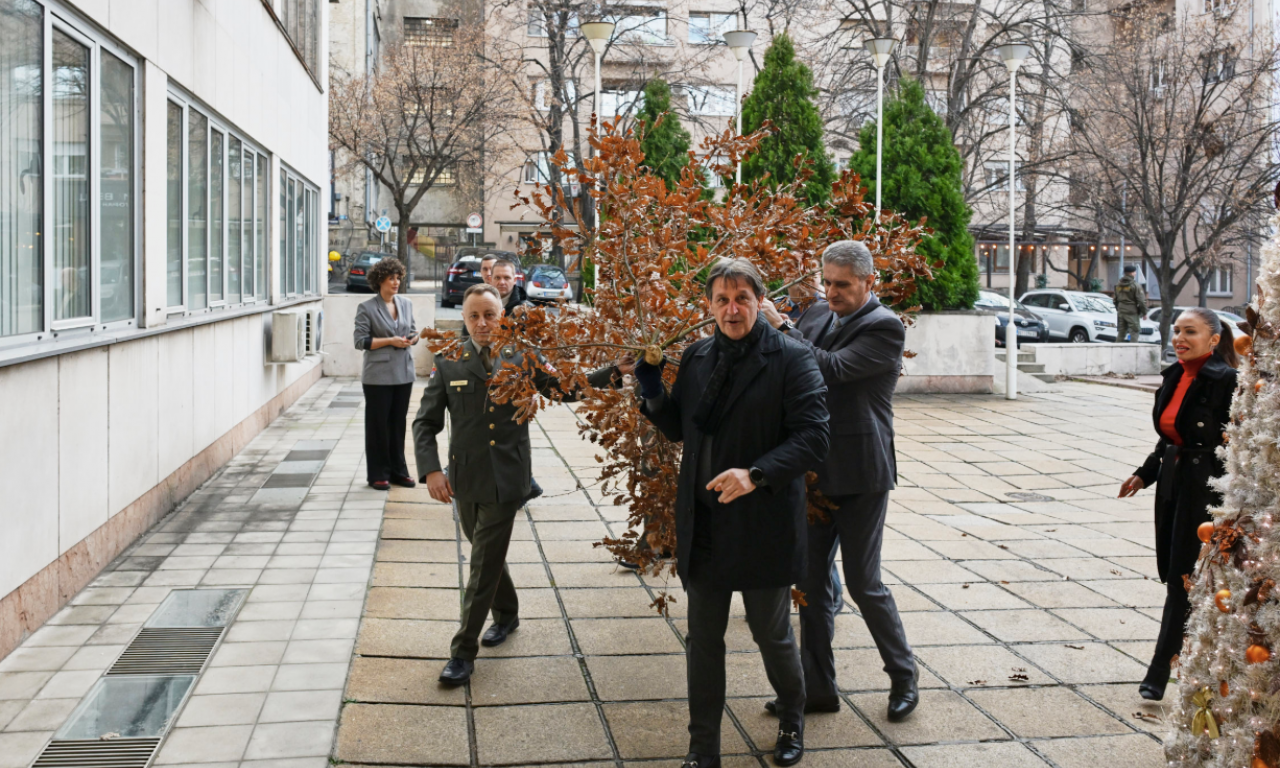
(1030, 327)
(465, 272)
(548, 283)
(1080, 317)
(358, 274)
(1227, 317)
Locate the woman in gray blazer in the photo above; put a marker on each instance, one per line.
(385, 331)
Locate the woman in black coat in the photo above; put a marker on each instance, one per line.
(1192, 408)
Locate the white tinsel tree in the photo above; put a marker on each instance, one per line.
(1226, 712)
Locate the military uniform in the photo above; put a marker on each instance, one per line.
(489, 470)
(1131, 305)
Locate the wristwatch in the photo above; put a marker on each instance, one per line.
(786, 326)
(757, 477)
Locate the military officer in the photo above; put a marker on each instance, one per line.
(489, 470)
(1131, 305)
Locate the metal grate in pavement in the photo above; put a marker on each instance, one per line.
(168, 651)
(95, 753)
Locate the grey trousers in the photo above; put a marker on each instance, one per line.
(489, 586)
(768, 616)
(857, 527)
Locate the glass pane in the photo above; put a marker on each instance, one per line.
(291, 240)
(197, 608)
(308, 261)
(21, 180)
(281, 267)
(248, 239)
(173, 259)
(260, 221)
(299, 237)
(197, 209)
(216, 255)
(116, 206)
(70, 228)
(128, 707)
(233, 219)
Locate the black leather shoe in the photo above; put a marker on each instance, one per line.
(457, 672)
(790, 746)
(904, 695)
(695, 760)
(497, 633)
(535, 491)
(1153, 685)
(810, 706)
(403, 482)
(380, 485)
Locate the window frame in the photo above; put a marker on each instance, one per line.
(55, 16)
(299, 275)
(1218, 276)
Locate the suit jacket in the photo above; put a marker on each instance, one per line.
(489, 459)
(1181, 474)
(385, 365)
(860, 362)
(775, 420)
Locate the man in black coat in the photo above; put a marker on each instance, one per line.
(749, 406)
(858, 344)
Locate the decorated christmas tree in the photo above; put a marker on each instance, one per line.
(1227, 710)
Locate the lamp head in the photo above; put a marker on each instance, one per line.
(597, 34)
(1014, 54)
(740, 41)
(880, 49)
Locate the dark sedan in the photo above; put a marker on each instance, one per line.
(465, 272)
(1031, 329)
(358, 274)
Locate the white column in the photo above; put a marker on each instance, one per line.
(154, 166)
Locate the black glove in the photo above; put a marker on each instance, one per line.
(650, 378)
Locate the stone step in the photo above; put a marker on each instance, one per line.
(448, 325)
(1023, 357)
(1046, 377)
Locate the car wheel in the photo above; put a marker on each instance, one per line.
(1079, 336)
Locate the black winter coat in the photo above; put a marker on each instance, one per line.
(1181, 474)
(775, 420)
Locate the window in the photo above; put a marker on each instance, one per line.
(299, 20)
(429, 33)
(446, 177)
(1220, 7)
(68, 245)
(216, 193)
(996, 177)
(1220, 281)
(709, 28)
(710, 100)
(542, 90)
(537, 167)
(1158, 81)
(711, 179)
(615, 103)
(1219, 66)
(297, 236)
(538, 23)
(640, 25)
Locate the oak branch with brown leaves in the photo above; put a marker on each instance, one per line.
(650, 251)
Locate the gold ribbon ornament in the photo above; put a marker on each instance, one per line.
(1203, 720)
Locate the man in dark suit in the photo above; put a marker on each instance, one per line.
(858, 344)
(748, 404)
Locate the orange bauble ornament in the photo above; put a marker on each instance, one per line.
(1243, 344)
(1223, 689)
(1258, 763)
(1257, 386)
(1205, 532)
(1220, 599)
(1257, 654)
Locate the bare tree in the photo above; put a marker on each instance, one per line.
(1174, 123)
(426, 114)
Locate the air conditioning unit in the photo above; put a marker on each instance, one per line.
(288, 337)
(314, 328)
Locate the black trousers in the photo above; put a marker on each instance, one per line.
(857, 527)
(386, 409)
(1173, 624)
(768, 616)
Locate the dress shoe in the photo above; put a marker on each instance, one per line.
(497, 633)
(535, 491)
(1153, 685)
(810, 706)
(404, 482)
(790, 746)
(904, 695)
(695, 760)
(380, 485)
(457, 672)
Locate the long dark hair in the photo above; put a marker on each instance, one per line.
(1226, 348)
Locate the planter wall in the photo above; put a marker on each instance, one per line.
(341, 358)
(1097, 359)
(955, 354)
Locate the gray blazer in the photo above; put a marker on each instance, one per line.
(385, 365)
(860, 362)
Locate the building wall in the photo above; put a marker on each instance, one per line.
(110, 426)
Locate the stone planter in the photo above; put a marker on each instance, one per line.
(955, 354)
(341, 358)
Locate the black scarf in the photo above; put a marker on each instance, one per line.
(731, 352)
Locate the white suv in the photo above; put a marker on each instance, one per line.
(1079, 317)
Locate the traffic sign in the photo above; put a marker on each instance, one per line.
(383, 224)
(474, 221)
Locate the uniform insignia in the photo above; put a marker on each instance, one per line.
(507, 352)
(466, 355)
(433, 372)
(461, 383)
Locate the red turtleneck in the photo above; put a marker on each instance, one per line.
(1170, 414)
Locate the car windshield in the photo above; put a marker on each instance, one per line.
(990, 300)
(371, 258)
(1094, 304)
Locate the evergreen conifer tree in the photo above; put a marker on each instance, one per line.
(922, 177)
(665, 142)
(783, 93)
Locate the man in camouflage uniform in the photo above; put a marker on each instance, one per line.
(1131, 306)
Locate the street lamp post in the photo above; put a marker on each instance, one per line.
(880, 49)
(739, 41)
(597, 34)
(1013, 54)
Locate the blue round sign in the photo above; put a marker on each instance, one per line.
(383, 224)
